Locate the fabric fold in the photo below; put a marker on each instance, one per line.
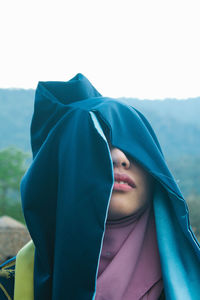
(129, 263)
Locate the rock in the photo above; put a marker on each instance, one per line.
(13, 236)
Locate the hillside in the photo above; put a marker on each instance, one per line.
(176, 123)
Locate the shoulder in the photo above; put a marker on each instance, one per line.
(7, 278)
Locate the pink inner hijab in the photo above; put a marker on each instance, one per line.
(129, 267)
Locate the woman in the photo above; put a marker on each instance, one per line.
(107, 220)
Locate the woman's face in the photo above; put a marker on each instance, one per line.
(133, 186)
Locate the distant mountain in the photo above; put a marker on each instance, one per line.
(176, 123)
(16, 108)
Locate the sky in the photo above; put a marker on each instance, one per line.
(148, 49)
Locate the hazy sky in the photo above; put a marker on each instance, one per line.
(145, 48)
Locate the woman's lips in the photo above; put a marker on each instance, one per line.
(122, 187)
(123, 182)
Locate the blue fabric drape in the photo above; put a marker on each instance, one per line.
(66, 191)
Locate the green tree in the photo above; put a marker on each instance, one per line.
(13, 164)
(194, 208)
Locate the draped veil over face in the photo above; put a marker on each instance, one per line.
(66, 196)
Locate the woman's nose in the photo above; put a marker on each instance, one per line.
(119, 158)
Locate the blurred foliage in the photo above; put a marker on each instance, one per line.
(186, 171)
(13, 164)
(193, 202)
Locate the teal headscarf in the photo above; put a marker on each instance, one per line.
(66, 192)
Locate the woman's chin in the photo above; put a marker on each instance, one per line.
(115, 213)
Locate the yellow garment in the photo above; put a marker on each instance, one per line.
(23, 289)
